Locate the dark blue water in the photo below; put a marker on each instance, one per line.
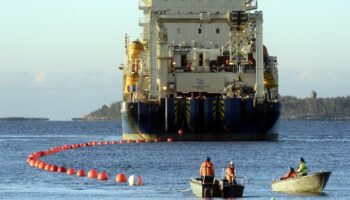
(165, 168)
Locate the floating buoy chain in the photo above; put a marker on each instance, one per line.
(34, 161)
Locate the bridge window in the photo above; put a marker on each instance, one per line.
(217, 30)
(199, 31)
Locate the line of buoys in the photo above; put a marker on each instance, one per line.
(34, 161)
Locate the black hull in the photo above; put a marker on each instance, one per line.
(208, 119)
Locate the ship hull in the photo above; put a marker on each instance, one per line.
(194, 120)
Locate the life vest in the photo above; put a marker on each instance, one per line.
(290, 174)
(302, 169)
(230, 173)
(207, 169)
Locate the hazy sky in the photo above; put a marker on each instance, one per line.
(59, 58)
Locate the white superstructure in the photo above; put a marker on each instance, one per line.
(200, 46)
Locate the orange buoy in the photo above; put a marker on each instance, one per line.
(147, 141)
(32, 162)
(29, 159)
(71, 171)
(81, 173)
(120, 178)
(93, 143)
(37, 163)
(53, 168)
(138, 141)
(61, 169)
(129, 141)
(170, 140)
(157, 140)
(93, 173)
(180, 132)
(47, 167)
(121, 142)
(102, 176)
(42, 165)
(114, 142)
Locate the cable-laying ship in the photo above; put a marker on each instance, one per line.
(200, 72)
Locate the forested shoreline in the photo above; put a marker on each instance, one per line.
(293, 108)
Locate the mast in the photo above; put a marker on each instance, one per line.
(152, 64)
(259, 58)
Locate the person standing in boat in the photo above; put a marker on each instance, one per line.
(207, 171)
(291, 174)
(231, 173)
(302, 168)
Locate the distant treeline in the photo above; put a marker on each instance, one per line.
(111, 112)
(337, 108)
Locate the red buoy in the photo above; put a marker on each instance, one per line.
(157, 140)
(135, 180)
(170, 140)
(129, 141)
(32, 162)
(47, 167)
(114, 142)
(100, 143)
(71, 171)
(180, 132)
(121, 142)
(120, 178)
(53, 168)
(81, 173)
(102, 176)
(107, 143)
(42, 165)
(93, 173)
(146, 140)
(37, 163)
(138, 141)
(61, 170)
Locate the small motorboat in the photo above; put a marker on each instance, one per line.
(215, 189)
(314, 183)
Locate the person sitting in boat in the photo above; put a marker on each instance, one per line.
(231, 173)
(302, 168)
(291, 174)
(207, 171)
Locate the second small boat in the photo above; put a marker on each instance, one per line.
(314, 183)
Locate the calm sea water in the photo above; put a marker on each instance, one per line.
(165, 168)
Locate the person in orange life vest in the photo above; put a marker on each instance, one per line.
(207, 171)
(231, 173)
(290, 174)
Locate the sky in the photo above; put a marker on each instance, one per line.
(59, 58)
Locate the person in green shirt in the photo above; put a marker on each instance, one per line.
(302, 168)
